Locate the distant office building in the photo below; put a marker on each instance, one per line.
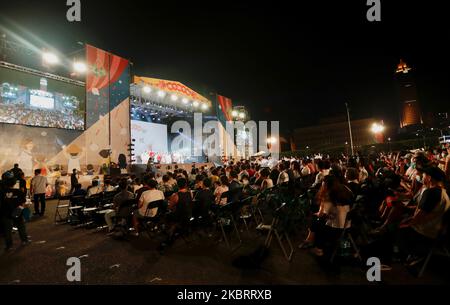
(334, 133)
(410, 112)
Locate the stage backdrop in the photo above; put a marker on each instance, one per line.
(107, 125)
(149, 137)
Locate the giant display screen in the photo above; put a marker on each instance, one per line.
(150, 142)
(33, 100)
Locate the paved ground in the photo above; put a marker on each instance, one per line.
(202, 261)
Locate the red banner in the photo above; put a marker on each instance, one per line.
(103, 66)
(226, 105)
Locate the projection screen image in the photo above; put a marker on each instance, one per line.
(34, 100)
(150, 142)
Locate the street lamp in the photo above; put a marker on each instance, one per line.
(147, 89)
(377, 128)
(50, 58)
(441, 131)
(79, 67)
(271, 141)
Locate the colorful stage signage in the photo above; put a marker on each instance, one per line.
(173, 87)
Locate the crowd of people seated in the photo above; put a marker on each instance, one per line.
(36, 117)
(402, 196)
(399, 199)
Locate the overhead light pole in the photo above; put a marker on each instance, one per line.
(350, 129)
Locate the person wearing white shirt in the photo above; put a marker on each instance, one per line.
(38, 189)
(94, 189)
(306, 171)
(363, 174)
(324, 170)
(284, 176)
(108, 187)
(149, 196)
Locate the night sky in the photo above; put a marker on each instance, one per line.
(286, 62)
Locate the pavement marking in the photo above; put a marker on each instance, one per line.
(15, 282)
(83, 256)
(60, 248)
(155, 279)
(40, 242)
(114, 266)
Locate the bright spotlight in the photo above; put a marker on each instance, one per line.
(50, 58)
(79, 67)
(195, 104)
(174, 97)
(234, 113)
(161, 93)
(377, 128)
(147, 89)
(185, 100)
(271, 140)
(204, 107)
(242, 115)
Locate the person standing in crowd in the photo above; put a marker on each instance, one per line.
(336, 199)
(16, 171)
(73, 180)
(22, 183)
(38, 188)
(11, 211)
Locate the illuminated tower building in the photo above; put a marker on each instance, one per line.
(410, 114)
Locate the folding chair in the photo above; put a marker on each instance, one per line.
(123, 217)
(153, 223)
(75, 214)
(226, 217)
(107, 199)
(346, 234)
(94, 200)
(63, 203)
(276, 228)
(440, 244)
(247, 211)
